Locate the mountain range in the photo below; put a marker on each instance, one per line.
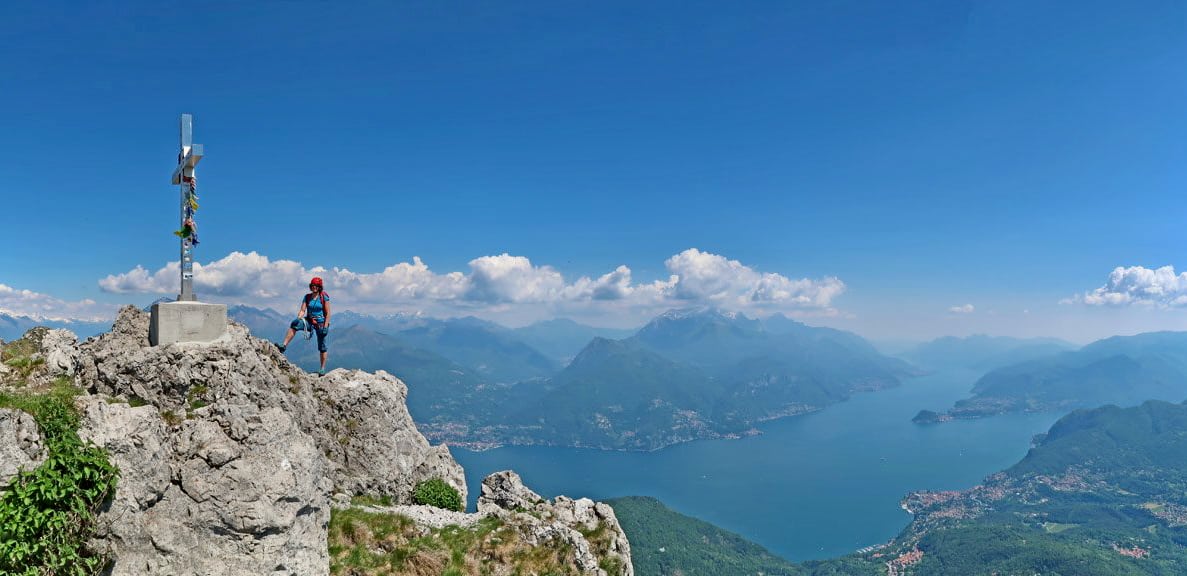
(981, 352)
(14, 326)
(687, 374)
(1122, 370)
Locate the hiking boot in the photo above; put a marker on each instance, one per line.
(280, 347)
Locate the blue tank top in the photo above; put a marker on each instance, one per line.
(314, 308)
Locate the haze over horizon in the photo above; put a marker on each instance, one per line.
(904, 172)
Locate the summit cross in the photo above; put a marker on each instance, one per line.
(187, 319)
(183, 175)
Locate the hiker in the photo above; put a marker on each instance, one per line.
(314, 317)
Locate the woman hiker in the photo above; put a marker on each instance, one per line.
(314, 316)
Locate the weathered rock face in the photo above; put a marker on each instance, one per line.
(591, 528)
(358, 420)
(229, 467)
(193, 500)
(20, 444)
(59, 350)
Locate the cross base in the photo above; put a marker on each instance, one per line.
(173, 322)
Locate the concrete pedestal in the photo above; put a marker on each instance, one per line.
(186, 322)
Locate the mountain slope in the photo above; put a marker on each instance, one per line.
(981, 352)
(665, 542)
(616, 394)
(561, 339)
(692, 374)
(1123, 370)
(490, 349)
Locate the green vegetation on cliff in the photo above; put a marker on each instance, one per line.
(47, 514)
(1104, 492)
(1123, 370)
(665, 543)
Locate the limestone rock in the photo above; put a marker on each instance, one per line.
(358, 420)
(20, 444)
(193, 501)
(589, 527)
(59, 350)
(229, 466)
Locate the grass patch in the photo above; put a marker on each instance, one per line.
(48, 514)
(172, 418)
(1056, 527)
(196, 396)
(20, 354)
(370, 544)
(384, 500)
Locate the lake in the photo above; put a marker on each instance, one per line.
(814, 486)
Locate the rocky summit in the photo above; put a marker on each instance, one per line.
(232, 460)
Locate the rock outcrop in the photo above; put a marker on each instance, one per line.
(230, 456)
(20, 444)
(514, 532)
(229, 460)
(589, 527)
(359, 421)
(232, 490)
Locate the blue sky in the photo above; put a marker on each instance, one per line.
(902, 171)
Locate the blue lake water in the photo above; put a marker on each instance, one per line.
(813, 486)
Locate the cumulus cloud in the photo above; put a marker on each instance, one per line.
(500, 281)
(17, 302)
(702, 276)
(965, 309)
(1138, 285)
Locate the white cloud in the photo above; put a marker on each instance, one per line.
(706, 277)
(1137, 285)
(493, 283)
(965, 309)
(512, 279)
(16, 302)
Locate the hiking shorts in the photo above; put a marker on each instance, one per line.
(304, 325)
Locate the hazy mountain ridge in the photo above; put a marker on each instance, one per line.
(562, 339)
(1124, 370)
(688, 374)
(13, 326)
(982, 352)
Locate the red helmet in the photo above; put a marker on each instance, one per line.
(316, 282)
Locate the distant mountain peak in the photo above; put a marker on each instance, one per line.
(700, 312)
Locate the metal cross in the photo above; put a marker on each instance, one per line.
(187, 160)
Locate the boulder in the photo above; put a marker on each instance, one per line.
(590, 528)
(199, 498)
(21, 448)
(59, 350)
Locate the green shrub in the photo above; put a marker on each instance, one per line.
(48, 514)
(437, 493)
